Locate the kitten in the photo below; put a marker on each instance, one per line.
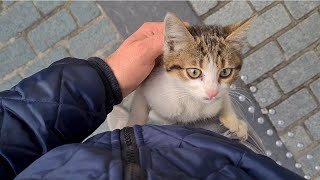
(199, 64)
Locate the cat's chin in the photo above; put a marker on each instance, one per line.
(210, 101)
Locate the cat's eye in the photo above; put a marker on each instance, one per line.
(225, 72)
(194, 73)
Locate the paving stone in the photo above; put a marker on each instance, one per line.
(51, 31)
(293, 108)
(315, 87)
(233, 12)
(267, 92)
(15, 55)
(53, 56)
(128, 16)
(308, 165)
(300, 36)
(17, 19)
(300, 8)
(201, 7)
(298, 72)
(313, 125)
(300, 136)
(92, 39)
(84, 11)
(259, 5)
(47, 6)
(261, 61)
(10, 83)
(268, 24)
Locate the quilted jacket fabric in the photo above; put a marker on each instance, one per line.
(44, 119)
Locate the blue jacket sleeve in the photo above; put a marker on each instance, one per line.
(61, 104)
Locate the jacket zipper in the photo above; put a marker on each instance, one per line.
(130, 156)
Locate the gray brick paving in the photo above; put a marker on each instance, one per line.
(259, 5)
(17, 19)
(261, 61)
(84, 11)
(201, 7)
(300, 8)
(47, 6)
(308, 165)
(300, 136)
(298, 71)
(44, 62)
(315, 87)
(94, 38)
(128, 16)
(293, 108)
(313, 125)
(10, 83)
(267, 24)
(233, 12)
(267, 93)
(14, 55)
(51, 31)
(301, 35)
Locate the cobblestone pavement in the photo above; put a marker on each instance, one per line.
(35, 34)
(281, 62)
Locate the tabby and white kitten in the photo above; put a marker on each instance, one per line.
(192, 83)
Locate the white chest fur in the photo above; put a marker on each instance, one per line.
(170, 100)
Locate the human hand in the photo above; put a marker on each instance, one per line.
(134, 60)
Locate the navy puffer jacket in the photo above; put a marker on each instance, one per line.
(44, 119)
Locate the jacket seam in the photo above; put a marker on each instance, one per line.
(50, 102)
(59, 106)
(172, 162)
(74, 153)
(240, 159)
(180, 139)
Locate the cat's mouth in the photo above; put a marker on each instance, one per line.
(211, 100)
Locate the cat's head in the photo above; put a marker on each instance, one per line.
(205, 59)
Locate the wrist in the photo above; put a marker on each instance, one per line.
(117, 70)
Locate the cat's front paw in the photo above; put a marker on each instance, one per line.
(242, 131)
(236, 126)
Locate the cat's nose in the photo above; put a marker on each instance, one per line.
(211, 94)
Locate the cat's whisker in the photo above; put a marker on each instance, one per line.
(239, 88)
(176, 94)
(239, 107)
(234, 100)
(236, 94)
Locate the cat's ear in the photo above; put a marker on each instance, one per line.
(176, 35)
(237, 33)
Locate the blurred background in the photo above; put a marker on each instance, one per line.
(281, 67)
